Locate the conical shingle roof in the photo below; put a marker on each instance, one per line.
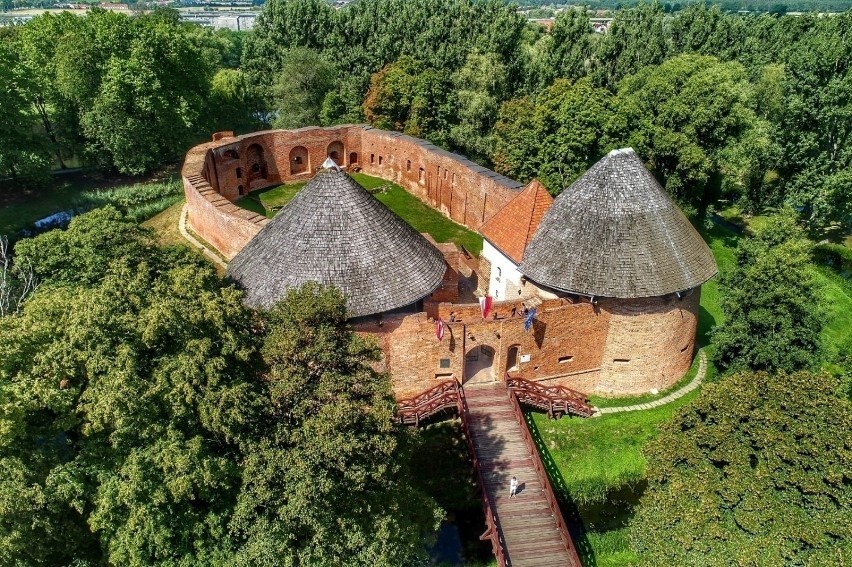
(616, 233)
(512, 228)
(334, 232)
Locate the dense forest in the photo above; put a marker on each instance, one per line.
(752, 108)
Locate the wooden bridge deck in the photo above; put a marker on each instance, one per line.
(528, 529)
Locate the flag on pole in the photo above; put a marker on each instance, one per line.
(439, 330)
(485, 304)
(529, 320)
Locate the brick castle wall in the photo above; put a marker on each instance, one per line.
(617, 347)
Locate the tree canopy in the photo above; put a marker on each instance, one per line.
(753, 472)
(148, 417)
(771, 303)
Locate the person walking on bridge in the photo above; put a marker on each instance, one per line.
(513, 487)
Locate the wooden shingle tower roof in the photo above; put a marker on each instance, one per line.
(512, 228)
(334, 232)
(616, 233)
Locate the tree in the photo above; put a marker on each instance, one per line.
(82, 254)
(771, 303)
(41, 45)
(303, 83)
(815, 127)
(409, 97)
(686, 118)
(635, 40)
(705, 30)
(324, 485)
(148, 104)
(571, 46)
(753, 472)
(233, 105)
(22, 153)
(556, 135)
(479, 87)
(125, 399)
(284, 25)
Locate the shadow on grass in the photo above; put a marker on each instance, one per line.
(570, 510)
(706, 322)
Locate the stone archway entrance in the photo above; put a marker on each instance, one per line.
(479, 365)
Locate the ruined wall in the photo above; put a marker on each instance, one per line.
(235, 166)
(462, 190)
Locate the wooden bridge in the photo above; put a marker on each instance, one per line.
(527, 530)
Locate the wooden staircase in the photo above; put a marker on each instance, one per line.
(530, 531)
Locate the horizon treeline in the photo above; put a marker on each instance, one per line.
(756, 108)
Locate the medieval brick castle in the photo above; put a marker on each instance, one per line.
(612, 268)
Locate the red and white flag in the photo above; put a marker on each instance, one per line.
(485, 304)
(439, 329)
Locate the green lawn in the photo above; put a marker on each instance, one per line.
(837, 294)
(420, 216)
(267, 201)
(598, 466)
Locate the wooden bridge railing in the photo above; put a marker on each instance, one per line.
(554, 400)
(444, 396)
(549, 495)
(492, 532)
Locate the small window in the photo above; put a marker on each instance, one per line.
(372, 158)
(380, 160)
(499, 274)
(242, 190)
(564, 359)
(684, 347)
(444, 363)
(621, 360)
(239, 172)
(408, 165)
(454, 179)
(445, 174)
(443, 375)
(420, 178)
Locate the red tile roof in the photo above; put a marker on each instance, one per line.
(512, 227)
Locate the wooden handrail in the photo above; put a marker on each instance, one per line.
(498, 543)
(413, 411)
(551, 399)
(541, 472)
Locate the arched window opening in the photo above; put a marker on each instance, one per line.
(336, 152)
(256, 161)
(512, 358)
(298, 160)
(353, 158)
